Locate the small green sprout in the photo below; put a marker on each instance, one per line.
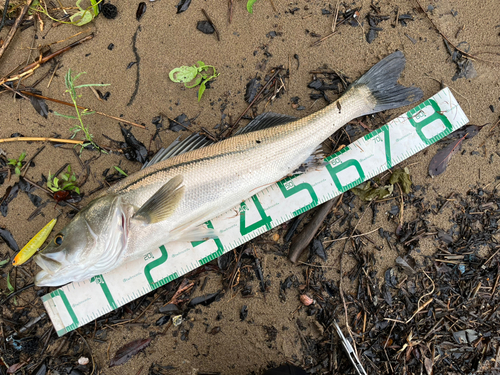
(199, 74)
(9, 285)
(71, 89)
(17, 163)
(250, 4)
(119, 170)
(67, 182)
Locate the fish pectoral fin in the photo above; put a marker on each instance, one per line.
(163, 203)
(199, 233)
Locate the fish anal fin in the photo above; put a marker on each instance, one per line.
(316, 159)
(163, 203)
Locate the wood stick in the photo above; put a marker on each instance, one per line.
(55, 54)
(15, 27)
(41, 139)
(211, 23)
(84, 108)
(28, 69)
(302, 240)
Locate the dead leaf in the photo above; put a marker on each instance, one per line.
(40, 106)
(428, 365)
(402, 176)
(128, 351)
(440, 161)
(15, 367)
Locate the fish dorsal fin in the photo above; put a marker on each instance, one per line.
(264, 121)
(193, 142)
(163, 203)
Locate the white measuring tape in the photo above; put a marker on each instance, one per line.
(77, 304)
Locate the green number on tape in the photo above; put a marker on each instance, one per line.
(387, 142)
(264, 221)
(218, 253)
(155, 263)
(288, 188)
(99, 279)
(417, 114)
(340, 167)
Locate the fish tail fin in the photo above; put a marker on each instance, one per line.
(381, 81)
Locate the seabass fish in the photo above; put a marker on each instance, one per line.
(171, 199)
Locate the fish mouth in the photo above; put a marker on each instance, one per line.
(48, 265)
(52, 274)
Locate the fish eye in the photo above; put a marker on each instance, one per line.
(59, 239)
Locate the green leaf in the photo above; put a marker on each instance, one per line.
(250, 4)
(9, 285)
(4, 262)
(12, 162)
(77, 189)
(121, 171)
(183, 74)
(65, 116)
(201, 90)
(76, 77)
(23, 155)
(81, 18)
(95, 6)
(56, 182)
(92, 85)
(197, 82)
(17, 171)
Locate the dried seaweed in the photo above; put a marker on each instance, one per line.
(8, 238)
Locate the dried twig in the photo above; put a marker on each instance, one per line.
(4, 15)
(231, 129)
(84, 108)
(29, 69)
(14, 28)
(40, 139)
(211, 23)
(334, 24)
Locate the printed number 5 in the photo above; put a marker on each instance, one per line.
(288, 188)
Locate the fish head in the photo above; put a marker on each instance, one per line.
(89, 245)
